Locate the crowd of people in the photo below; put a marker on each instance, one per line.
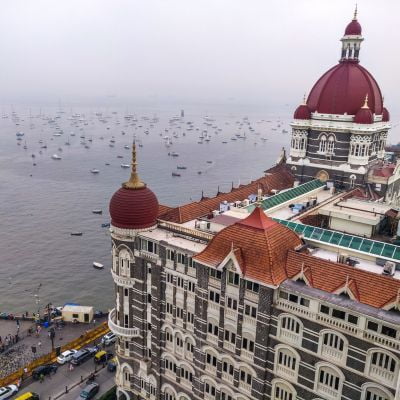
(14, 358)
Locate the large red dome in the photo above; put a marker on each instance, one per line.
(343, 88)
(134, 208)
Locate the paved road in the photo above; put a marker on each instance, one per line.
(53, 386)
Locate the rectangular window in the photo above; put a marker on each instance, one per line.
(214, 273)
(170, 278)
(338, 314)
(252, 286)
(324, 309)
(233, 278)
(180, 282)
(231, 303)
(352, 319)
(190, 317)
(372, 326)
(386, 330)
(293, 298)
(250, 310)
(283, 295)
(214, 296)
(191, 286)
(180, 258)
(126, 321)
(170, 255)
(169, 308)
(75, 315)
(149, 246)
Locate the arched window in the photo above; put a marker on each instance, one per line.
(189, 348)
(333, 345)
(169, 339)
(211, 360)
(287, 362)
(290, 329)
(228, 369)
(328, 381)
(210, 389)
(152, 386)
(179, 343)
(169, 392)
(331, 145)
(170, 366)
(282, 390)
(245, 378)
(372, 391)
(187, 374)
(322, 144)
(124, 262)
(126, 375)
(382, 365)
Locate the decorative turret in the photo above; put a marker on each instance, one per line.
(351, 41)
(302, 111)
(364, 114)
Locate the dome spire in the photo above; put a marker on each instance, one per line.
(134, 180)
(365, 102)
(355, 14)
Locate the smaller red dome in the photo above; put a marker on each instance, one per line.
(353, 28)
(364, 116)
(302, 112)
(134, 209)
(385, 115)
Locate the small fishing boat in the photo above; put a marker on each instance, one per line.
(97, 211)
(180, 167)
(97, 265)
(76, 233)
(125, 165)
(105, 225)
(94, 171)
(175, 174)
(56, 157)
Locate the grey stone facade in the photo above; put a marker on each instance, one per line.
(175, 355)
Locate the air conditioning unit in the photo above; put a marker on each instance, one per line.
(389, 268)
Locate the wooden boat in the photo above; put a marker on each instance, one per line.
(76, 233)
(97, 211)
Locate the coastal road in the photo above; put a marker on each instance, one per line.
(53, 387)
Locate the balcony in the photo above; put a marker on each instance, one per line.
(227, 377)
(286, 372)
(119, 330)
(327, 391)
(383, 340)
(212, 339)
(191, 271)
(152, 257)
(250, 321)
(122, 280)
(211, 369)
(213, 308)
(331, 353)
(231, 314)
(247, 355)
(382, 374)
(180, 268)
(229, 346)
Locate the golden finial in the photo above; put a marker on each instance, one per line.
(355, 14)
(134, 181)
(365, 102)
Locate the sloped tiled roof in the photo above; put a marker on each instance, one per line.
(367, 287)
(259, 244)
(278, 177)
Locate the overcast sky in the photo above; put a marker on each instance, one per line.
(217, 51)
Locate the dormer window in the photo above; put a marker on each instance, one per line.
(233, 278)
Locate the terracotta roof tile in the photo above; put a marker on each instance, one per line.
(369, 288)
(278, 177)
(259, 244)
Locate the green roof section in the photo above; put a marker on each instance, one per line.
(344, 240)
(288, 195)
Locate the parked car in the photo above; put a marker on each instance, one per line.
(28, 396)
(112, 365)
(80, 356)
(89, 391)
(102, 356)
(109, 338)
(8, 391)
(66, 356)
(46, 369)
(92, 350)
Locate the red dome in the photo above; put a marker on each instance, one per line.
(385, 115)
(353, 28)
(302, 112)
(134, 208)
(364, 116)
(343, 88)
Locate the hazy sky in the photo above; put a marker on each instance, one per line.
(217, 51)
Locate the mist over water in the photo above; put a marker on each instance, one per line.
(41, 205)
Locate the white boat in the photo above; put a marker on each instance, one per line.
(125, 165)
(56, 157)
(94, 171)
(97, 265)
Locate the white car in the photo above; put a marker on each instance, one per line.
(8, 391)
(109, 338)
(66, 356)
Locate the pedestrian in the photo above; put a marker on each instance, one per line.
(94, 322)
(40, 344)
(71, 367)
(41, 378)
